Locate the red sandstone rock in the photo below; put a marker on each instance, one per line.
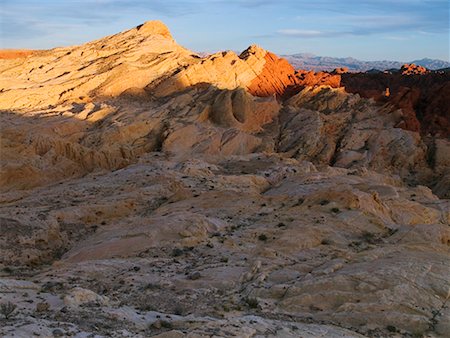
(279, 78)
(424, 99)
(310, 78)
(14, 53)
(412, 69)
(276, 77)
(406, 99)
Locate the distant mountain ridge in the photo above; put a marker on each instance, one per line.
(309, 61)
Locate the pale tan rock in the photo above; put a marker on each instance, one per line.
(108, 66)
(238, 109)
(171, 334)
(79, 296)
(224, 70)
(143, 184)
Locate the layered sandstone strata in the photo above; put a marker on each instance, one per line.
(147, 191)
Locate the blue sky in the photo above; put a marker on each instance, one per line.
(366, 29)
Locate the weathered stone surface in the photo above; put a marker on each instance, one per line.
(79, 296)
(106, 67)
(145, 191)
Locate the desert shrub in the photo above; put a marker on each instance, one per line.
(262, 237)
(391, 328)
(251, 302)
(166, 324)
(177, 252)
(370, 237)
(7, 309)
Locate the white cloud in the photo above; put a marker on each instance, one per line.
(301, 33)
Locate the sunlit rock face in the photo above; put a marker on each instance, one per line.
(153, 192)
(412, 69)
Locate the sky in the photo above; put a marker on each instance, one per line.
(402, 30)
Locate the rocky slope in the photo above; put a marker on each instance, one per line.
(147, 191)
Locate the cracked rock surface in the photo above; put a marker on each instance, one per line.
(145, 191)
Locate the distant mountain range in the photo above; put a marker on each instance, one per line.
(313, 62)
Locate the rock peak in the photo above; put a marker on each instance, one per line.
(154, 27)
(253, 50)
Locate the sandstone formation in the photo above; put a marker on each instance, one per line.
(275, 78)
(106, 67)
(148, 191)
(14, 53)
(412, 69)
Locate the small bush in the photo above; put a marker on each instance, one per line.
(391, 232)
(369, 237)
(335, 210)
(251, 302)
(177, 252)
(299, 202)
(160, 323)
(262, 237)
(7, 309)
(143, 305)
(166, 324)
(391, 328)
(178, 310)
(8, 269)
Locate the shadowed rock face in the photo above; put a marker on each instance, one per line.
(146, 191)
(422, 97)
